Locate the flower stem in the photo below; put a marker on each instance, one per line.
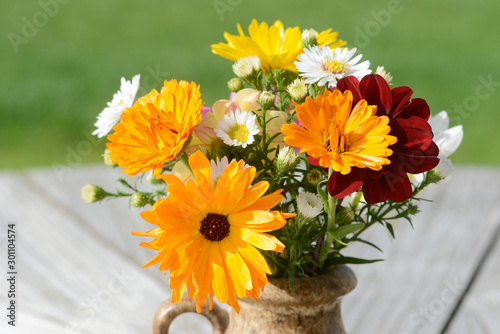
(329, 240)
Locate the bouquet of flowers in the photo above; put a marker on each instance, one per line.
(310, 150)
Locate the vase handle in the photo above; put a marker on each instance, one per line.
(168, 311)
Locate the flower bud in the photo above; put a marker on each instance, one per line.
(152, 179)
(269, 81)
(309, 38)
(314, 177)
(297, 90)
(413, 209)
(310, 205)
(433, 177)
(384, 74)
(91, 193)
(266, 100)
(286, 160)
(235, 85)
(139, 199)
(107, 159)
(277, 74)
(247, 67)
(344, 215)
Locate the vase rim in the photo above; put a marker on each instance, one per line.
(319, 289)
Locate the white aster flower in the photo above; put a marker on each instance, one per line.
(324, 65)
(237, 128)
(310, 205)
(447, 139)
(122, 100)
(247, 66)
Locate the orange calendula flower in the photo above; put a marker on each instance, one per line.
(339, 136)
(276, 47)
(208, 233)
(155, 129)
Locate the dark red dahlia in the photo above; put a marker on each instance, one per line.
(414, 152)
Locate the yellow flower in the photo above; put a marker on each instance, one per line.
(155, 129)
(339, 137)
(276, 47)
(207, 233)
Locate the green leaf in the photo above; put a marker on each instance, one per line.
(323, 195)
(340, 232)
(350, 260)
(370, 244)
(391, 230)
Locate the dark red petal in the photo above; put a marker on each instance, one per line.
(393, 185)
(413, 134)
(312, 161)
(350, 83)
(420, 161)
(418, 108)
(340, 186)
(376, 91)
(400, 99)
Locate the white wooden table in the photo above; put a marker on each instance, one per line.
(79, 268)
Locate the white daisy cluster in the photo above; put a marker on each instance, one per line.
(237, 128)
(122, 100)
(323, 65)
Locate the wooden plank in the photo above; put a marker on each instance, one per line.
(426, 269)
(69, 252)
(79, 267)
(479, 311)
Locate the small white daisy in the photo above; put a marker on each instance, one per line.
(324, 65)
(122, 99)
(237, 128)
(310, 205)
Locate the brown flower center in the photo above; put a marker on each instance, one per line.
(214, 227)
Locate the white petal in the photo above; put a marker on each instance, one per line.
(449, 140)
(444, 168)
(439, 122)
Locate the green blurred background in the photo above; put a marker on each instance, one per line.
(62, 60)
